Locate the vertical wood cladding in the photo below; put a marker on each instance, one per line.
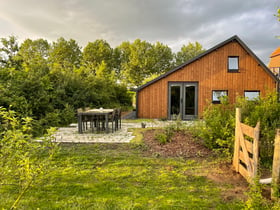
(211, 73)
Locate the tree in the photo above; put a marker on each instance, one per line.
(141, 59)
(65, 55)
(8, 53)
(188, 52)
(97, 52)
(163, 58)
(34, 54)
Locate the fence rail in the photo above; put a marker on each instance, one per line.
(246, 150)
(246, 155)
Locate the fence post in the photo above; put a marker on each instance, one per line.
(276, 167)
(236, 142)
(256, 150)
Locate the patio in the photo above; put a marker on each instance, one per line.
(70, 134)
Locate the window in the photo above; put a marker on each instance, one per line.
(251, 94)
(217, 95)
(233, 64)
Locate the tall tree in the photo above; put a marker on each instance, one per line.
(34, 54)
(188, 52)
(97, 52)
(137, 61)
(8, 53)
(141, 59)
(163, 58)
(65, 55)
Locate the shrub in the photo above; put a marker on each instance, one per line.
(218, 127)
(169, 131)
(162, 138)
(217, 130)
(23, 161)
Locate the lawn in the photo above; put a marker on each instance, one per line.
(123, 176)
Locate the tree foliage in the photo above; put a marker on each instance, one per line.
(97, 52)
(141, 59)
(65, 55)
(23, 161)
(188, 52)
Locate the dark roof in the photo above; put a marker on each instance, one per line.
(234, 38)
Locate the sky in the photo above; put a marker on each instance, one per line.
(171, 22)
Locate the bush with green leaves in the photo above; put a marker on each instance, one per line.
(23, 161)
(218, 128)
(267, 111)
(170, 130)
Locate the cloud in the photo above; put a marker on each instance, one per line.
(174, 22)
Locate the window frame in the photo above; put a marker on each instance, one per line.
(232, 70)
(252, 91)
(218, 101)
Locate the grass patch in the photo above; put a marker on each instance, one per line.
(138, 133)
(138, 120)
(118, 176)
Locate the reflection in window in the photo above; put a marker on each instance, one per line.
(233, 63)
(251, 95)
(218, 94)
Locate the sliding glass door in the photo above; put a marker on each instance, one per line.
(182, 100)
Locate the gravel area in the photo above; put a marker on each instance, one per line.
(70, 134)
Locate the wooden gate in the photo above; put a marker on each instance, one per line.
(246, 150)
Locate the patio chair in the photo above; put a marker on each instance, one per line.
(101, 120)
(118, 119)
(85, 119)
(111, 119)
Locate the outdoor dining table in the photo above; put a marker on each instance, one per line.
(94, 113)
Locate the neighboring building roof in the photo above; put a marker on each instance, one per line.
(274, 61)
(234, 38)
(275, 52)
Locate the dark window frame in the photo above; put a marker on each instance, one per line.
(218, 101)
(252, 91)
(232, 70)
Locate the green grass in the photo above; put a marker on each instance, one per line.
(140, 120)
(120, 176)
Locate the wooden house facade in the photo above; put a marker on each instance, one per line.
(230, 68)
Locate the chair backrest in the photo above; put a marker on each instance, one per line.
(119, 112)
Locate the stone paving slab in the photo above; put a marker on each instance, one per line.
(70, 134)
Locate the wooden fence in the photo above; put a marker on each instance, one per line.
(246, 155)
(275, 190)
(246, 150)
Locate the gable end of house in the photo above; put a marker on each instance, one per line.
(232, 39)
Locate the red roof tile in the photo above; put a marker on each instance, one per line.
(276, 52)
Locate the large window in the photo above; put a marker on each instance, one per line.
(233, 64)
(251, 94)
(217, 95)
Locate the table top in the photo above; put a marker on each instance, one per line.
(97, 111)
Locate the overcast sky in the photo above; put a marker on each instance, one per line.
(172, 22)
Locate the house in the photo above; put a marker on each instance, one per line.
(230, 68)
(274, 62)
